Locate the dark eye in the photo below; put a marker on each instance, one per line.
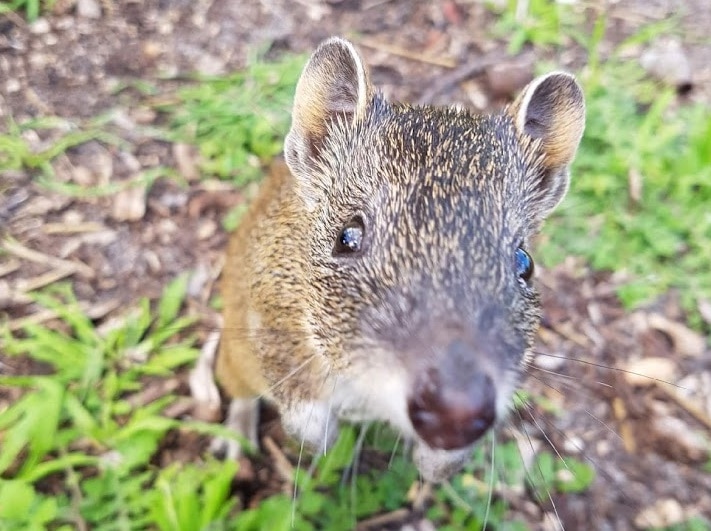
(524, 265)
(350, 239)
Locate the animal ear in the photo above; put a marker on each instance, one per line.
(333, 87)
(551, 110)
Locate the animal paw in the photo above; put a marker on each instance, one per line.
(243, 418)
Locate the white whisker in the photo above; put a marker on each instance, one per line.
(398, 439)
(289, 375)
(540, 473)
(491, 480)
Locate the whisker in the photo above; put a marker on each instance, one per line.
(398, 439)
(609, 368)
(585, 395)
(567, 385)
(296, 483)
(289, 375)
(565, 436)
(330, 408)
(540, 472)
(584, 455)
(491, 479)
(360, 442)
(303, 444)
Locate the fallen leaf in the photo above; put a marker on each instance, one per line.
(645, 371)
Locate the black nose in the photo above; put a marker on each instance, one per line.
(451, 416)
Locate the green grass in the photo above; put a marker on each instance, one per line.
(542, 23)
(17, 153)
(238, 122)
(75, 427)
(30, 8)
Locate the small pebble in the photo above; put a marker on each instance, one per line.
(88, 9)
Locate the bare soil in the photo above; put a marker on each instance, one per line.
(647, 441)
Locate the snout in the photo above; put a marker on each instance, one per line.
(453, 404)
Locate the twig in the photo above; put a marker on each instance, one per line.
(31, 284)
(15, 19)
(153, 392)
(72, 228)
(685, 403)
(14, 247)
(281, 463)
(182, 406)
(381, 520)
(93, 312)
(459, 74)
(9, 267)
(565, 330)
(407, 54)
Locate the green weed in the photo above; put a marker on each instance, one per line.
(565, 475)
(32, 8)
(538, 22)
(17, 153)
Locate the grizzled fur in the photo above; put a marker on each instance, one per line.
(431, 305)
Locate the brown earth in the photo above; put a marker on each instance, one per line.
(648, 441)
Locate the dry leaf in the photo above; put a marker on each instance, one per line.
(686, 341)
(645, 371)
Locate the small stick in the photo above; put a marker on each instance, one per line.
(153, 392)
(565, 331)
(281, 463)
(182, 406)
(459, 74)
(94, 312)
(381, 520)
(407, 54)
(9, 267)
(14, 247)
(686, 404)
(72, 228)
(31, 284)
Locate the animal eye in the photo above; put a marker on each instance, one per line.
(350, 239)
(524, 265)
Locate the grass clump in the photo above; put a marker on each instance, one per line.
(238, 122)
(76, 450)
(541, 23)
(17, 152)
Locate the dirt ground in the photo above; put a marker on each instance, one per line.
(647, 441)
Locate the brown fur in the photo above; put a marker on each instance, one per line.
(432, 301)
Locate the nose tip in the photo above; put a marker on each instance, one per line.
(450, 418)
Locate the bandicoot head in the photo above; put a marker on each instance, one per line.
(412, 234)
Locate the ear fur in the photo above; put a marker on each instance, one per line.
(551, 109)
(334, 85)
